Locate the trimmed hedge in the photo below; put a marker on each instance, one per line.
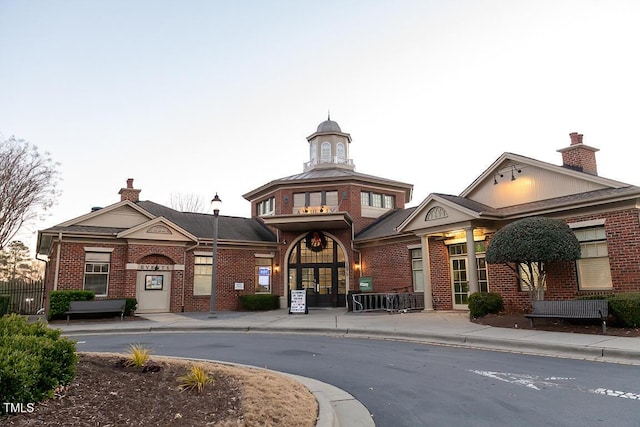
(59, 302)
(259, 302)
(624, 307)
(34, 360)
(483, 303)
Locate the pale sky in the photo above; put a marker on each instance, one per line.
(219, 96)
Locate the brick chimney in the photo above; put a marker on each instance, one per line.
(578, 156)
(129, 193)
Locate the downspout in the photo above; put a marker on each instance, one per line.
(184, 272)
(55, 278)
(353, 249)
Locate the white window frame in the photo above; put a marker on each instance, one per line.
(593, 267)
(202, 270)
(325, 152)
(97, 263)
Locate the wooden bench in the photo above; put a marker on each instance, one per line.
(571, 309)
(97, 306)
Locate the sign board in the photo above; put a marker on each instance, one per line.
(366, 284)
(238, 286)
(298, 302)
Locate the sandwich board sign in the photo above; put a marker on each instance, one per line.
(298, 302)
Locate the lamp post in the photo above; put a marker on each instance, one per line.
(215, 205)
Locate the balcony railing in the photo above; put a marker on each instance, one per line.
(331, 161)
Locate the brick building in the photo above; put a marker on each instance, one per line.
(330, 228)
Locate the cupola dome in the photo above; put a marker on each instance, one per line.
(328, 126)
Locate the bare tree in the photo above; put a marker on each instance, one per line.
(186, 202)
(28, 181)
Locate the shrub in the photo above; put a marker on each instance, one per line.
(259, 302)
(5, 300)
(130, 306)
(483, 303)
(34, 360)
(196, 379)
(626, 309)
(138, 355)
(59, 301)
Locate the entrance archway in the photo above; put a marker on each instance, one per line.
(317, 264)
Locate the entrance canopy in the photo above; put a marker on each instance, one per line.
(298, 222)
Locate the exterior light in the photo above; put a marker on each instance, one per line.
(216, 203)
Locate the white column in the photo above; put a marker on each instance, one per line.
(472, 266)
(426, 275)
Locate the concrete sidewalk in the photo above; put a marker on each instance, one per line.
(449, 328)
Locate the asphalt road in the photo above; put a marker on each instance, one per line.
(411, 384)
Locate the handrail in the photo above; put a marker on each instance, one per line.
(390, 302)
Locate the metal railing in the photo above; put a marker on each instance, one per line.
(390, 302)
(24, 296)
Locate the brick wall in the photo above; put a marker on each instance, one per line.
(389, 267)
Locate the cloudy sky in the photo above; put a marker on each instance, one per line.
(197, 97)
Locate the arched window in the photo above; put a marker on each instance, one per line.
(340, 151)
(314, 152)
(325, 152)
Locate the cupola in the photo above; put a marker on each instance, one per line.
(329, 147)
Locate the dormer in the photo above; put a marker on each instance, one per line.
(329, 147)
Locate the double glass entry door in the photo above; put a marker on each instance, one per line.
(320, 272)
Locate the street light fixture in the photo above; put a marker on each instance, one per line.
(216, 203)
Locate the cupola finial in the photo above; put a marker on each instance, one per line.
(328, 114)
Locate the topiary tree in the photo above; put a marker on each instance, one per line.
(527, 245)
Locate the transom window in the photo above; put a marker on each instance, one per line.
(96, 272)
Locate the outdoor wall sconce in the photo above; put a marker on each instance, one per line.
(276, 268)
(356, 266)
(513, 169)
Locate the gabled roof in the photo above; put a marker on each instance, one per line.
(324, 175)
(193, 226)
(507, 158)
(386, 225)
(201, 225)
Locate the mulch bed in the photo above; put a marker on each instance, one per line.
(107, 393)
(587, 326)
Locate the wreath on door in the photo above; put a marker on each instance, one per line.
(316, 241)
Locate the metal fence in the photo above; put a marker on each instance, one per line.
(391, 302)
(24, 296)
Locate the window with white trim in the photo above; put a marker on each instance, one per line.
(525, 277)
(325, 152)
(266, 207)
(202, 268)
(263, 274)
(96, 272)
(594, 270)
(377, 200)
(340, 151)
(416, 270)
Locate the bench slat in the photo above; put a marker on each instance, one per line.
(97, 306)
(571, 309)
